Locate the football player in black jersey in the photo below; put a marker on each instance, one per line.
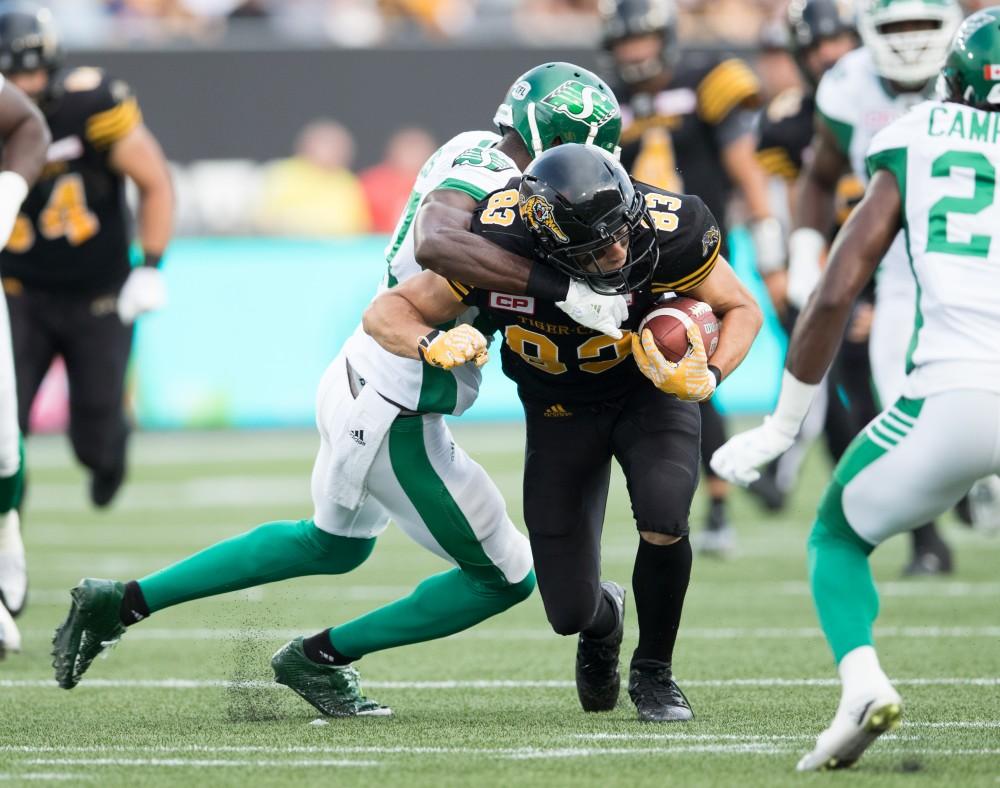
(586, 401)
(688, 126)
(24, 138)
(66, 268)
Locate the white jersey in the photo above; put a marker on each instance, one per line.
(855, 105)
(468, 163)
(945, 158)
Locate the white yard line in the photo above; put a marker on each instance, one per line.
(188, 763)
(178, 683)
(693, 633)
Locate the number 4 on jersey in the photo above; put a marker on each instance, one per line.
(65, 216)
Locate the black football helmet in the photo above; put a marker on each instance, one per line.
(28, 40)
(623, 19)
(577, 200)
(811, 21)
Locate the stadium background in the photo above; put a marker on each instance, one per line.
(252, 321)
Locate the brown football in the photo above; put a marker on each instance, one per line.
(669, 319)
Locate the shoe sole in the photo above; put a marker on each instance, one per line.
(883, 719)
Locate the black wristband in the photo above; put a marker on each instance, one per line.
(718, 374)
(546, 283)
(425, 342)
(152, 259)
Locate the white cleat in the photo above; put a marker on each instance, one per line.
(13, 567)
(984, 505)
(10, 637)
(854, 728)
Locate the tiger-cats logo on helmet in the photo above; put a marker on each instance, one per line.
(537, 213)
(582, 102)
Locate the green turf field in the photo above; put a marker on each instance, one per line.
(186, 697)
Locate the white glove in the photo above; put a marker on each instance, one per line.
(738, 458)
(143, 291)
(602, 313)
(805, 251)
(768, 245)
(13, 190)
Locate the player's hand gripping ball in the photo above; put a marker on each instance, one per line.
(452, 348)
(672, 346)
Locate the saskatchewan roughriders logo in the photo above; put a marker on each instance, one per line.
(581, 102)
(537, 212)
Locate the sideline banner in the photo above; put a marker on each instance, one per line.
(251, 324)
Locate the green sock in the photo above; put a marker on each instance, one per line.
(842, 585)
(268, 553)
(12, 487)
(441, 605)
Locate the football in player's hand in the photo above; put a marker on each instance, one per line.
(669, 320)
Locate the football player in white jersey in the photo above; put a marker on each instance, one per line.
(25, 138)
(904, 44)
(933, 180)
(385, 449)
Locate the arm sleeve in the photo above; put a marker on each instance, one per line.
(688, 255)
(728, 86)
(833, 107)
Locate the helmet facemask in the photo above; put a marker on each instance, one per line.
(585, 260)
(909, 39)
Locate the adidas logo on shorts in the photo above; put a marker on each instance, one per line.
(555, 411)
(358, 436)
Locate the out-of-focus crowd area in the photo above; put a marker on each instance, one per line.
(372, 22)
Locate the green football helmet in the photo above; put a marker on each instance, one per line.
(971, 73)
(560, 102)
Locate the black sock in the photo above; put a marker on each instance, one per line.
(716, 514)
(659, 582)
(926, 539)
(605, 619)
(319, 649)
(133, 608)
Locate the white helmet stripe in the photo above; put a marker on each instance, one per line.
(592, 134)
(536, 138)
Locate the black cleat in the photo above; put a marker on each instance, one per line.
(104, 485)
(598, 680)
(655, 693)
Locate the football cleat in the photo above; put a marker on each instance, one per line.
(91, 626)
(854, 728)
(104, 486)
(984, 505)
(598, 680)
(333, 689)
(655, 693)
(10, 637)
(13, 568)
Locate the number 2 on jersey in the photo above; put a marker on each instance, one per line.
(65, 215)
(982, 197)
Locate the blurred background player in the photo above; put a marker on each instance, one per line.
(942, 433)
(904, 44)
(66, 269)
(817, 33)
(688, 127)
(25, 140)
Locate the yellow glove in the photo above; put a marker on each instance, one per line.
(452, 348)
(689, 379)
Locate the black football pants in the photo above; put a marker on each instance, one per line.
(567, 470)
(95, 346)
